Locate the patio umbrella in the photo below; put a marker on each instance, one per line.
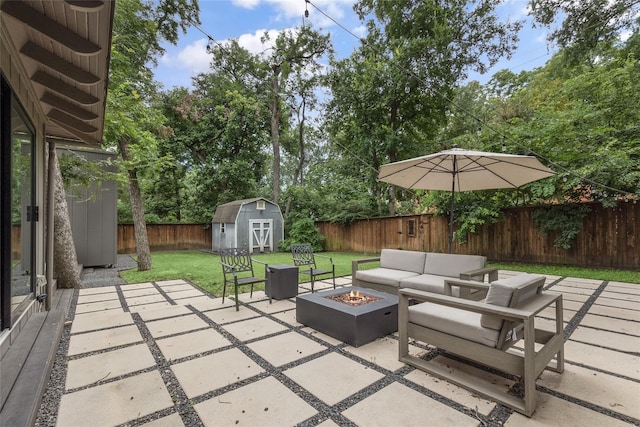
(463, 170)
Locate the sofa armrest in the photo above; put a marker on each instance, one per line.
(490, 271)
(355, 264)
(466, 288)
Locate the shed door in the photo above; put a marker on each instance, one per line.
(260, 235)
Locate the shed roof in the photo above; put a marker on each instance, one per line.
(228, 212)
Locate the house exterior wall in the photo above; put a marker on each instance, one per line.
(20, 86)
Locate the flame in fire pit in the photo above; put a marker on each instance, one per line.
(354, 298)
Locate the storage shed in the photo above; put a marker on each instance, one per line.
(93, 212)
(254, 223)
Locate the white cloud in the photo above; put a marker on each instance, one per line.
(246, 4)
(253, 44)
(195, 57)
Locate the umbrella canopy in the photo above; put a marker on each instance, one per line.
(463, 170)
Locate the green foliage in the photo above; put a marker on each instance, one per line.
(303, 230)
(565, 219)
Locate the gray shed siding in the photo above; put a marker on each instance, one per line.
(93, 213)
(244, 224)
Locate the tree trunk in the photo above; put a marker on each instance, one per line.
(275, 134)
(139, 223)
(298, 176)
(65, 260)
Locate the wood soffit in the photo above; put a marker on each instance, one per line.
(64, 47)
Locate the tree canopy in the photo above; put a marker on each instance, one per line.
(299, 126)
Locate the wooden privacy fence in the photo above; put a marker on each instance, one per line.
(166, 237)
(608, 238)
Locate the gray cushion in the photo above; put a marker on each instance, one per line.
(500, 293)
(452, 265)
(428, 283)
(384, 276)
(460, 323)
(402, 260)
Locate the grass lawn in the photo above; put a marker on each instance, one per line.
(203, 269)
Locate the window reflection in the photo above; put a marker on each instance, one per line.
(21, 203)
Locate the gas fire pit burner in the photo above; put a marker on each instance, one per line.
(354, 298)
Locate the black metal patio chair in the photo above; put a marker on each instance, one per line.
(237, 268)
(302, 254)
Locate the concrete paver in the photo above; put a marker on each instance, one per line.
(382, 352)
(263, 403)
(175, 325)
(208, 373)
(98, 306)
(164, 312)
(333, 377)
(601, 389)
(188, 293)
(173, 420)
(398, 405)
(552, 411)
(612, 340)
(145, 299)
(608, 360)
(285, 348)
(192, 343)
(101, 340)
(85, 299)
(100, 320)
(111, 364)
(115, 402)
(451, 391)
(254, 328)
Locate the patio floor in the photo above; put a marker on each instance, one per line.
(167, 354)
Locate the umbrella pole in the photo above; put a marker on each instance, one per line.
(453, 195)
(451, 216)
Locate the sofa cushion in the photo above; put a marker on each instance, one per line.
(384, 276)
(500, 293)
(402, 260)
(451, 265)
(428, 283)
(461, 323)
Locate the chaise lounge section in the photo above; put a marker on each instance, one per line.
(424, 271)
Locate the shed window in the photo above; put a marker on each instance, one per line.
(260, 205)
(411, 228)
(222, 224)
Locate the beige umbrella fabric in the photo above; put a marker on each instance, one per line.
(464, 170)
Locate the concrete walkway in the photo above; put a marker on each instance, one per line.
(167, 354)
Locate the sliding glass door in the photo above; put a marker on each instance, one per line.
(19, 213)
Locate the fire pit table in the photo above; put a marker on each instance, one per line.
(353, 315)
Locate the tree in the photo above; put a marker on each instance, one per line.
(389, 97)
(130, 123)
(582, 25)
(65, 259)
(295, 51)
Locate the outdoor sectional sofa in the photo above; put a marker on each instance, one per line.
(425, 271)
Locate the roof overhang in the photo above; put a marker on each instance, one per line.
(64, 47)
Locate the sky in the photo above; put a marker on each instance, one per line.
(247, 20)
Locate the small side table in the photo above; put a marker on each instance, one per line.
(282, 281)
